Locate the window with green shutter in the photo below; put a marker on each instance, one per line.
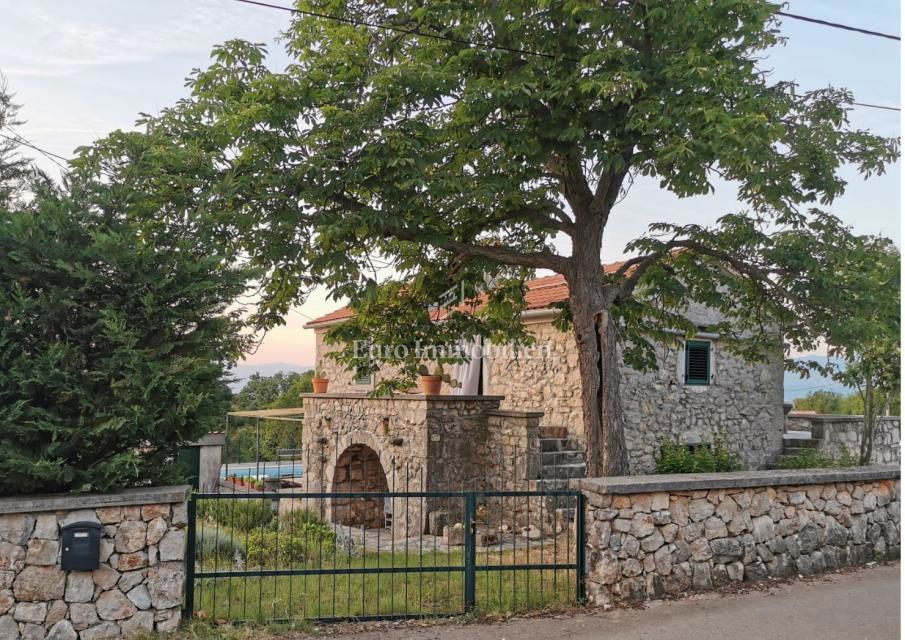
(363, 375)
(364, 372)
(697, 362)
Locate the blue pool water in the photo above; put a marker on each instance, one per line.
(262, 470)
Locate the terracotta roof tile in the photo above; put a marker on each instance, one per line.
(541, 294)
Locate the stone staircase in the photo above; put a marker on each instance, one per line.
(562, 459)
(794, 443)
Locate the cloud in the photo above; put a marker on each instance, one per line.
(44, 41)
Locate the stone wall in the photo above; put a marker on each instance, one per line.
(137, 588)
(649, 536)
(841, 434)
(743, 405)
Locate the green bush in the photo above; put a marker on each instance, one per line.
(213, 542)
(816, 459)
(307, 544)
(241, 514)
(296, 519)
(675, 457)
(113, 345)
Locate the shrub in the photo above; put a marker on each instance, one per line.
(278, 549)
(816, 459)
(675, 457)
(213, 542)
(296, 519)
(113, 346)
(242, 514)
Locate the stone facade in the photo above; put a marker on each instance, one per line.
(841, 435)
(742, 405)
(649, 536)
(136, 589)
(412, 443)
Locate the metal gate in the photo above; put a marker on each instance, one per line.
(283, 555)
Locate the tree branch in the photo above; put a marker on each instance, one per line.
(638, 266)
(544, 259)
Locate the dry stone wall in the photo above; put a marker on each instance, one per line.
(136, 589)
(841, 434)
(650, 536)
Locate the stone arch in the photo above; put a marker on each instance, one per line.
(358, 468)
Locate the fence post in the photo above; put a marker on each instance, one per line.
(580, 561)
(188, 608)
(470, 510)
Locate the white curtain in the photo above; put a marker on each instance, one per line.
(468, 373)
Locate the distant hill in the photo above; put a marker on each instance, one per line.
(243, 371)
(796, 387)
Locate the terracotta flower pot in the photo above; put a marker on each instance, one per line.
(430, 385)
(320, 384)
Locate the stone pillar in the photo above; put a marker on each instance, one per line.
(137, 588)
(210, 456)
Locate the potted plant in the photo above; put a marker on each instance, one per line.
(431, 382)
(319, 381)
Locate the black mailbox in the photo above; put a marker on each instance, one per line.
(81, 546)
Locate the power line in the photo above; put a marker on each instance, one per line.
(495, 47)
(397, 29)
(53, 157)
(817, 386)
(838, 25)
(875, 106)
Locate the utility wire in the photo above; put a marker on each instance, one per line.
(405, 30)
(837, 25)
(53, 157)
(875, 106)
(495, 47)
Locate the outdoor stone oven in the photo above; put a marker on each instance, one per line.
(358, 469)
(412, 443)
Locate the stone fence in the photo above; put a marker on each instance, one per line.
(648, 536)
(136, 589)
(840, 434)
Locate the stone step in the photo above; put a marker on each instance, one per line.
(800, 443)
(547, 431)
(791, 452)
(551, 484)
(556, 458)
(554, 444)
(565, 471)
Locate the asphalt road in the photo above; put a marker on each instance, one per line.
(855, 605)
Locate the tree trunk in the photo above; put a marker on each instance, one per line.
(870, 422)
(599, 368)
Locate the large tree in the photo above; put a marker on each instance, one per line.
(455, 141)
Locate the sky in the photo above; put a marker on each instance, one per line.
(83, 69)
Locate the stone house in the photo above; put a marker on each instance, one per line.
(699, 392)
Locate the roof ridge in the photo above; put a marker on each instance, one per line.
(534, 286)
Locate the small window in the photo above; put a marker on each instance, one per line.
(363, 375)
(697, 362)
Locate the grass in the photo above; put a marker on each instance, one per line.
(441, 592)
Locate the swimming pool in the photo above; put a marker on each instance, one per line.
(270, 469)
